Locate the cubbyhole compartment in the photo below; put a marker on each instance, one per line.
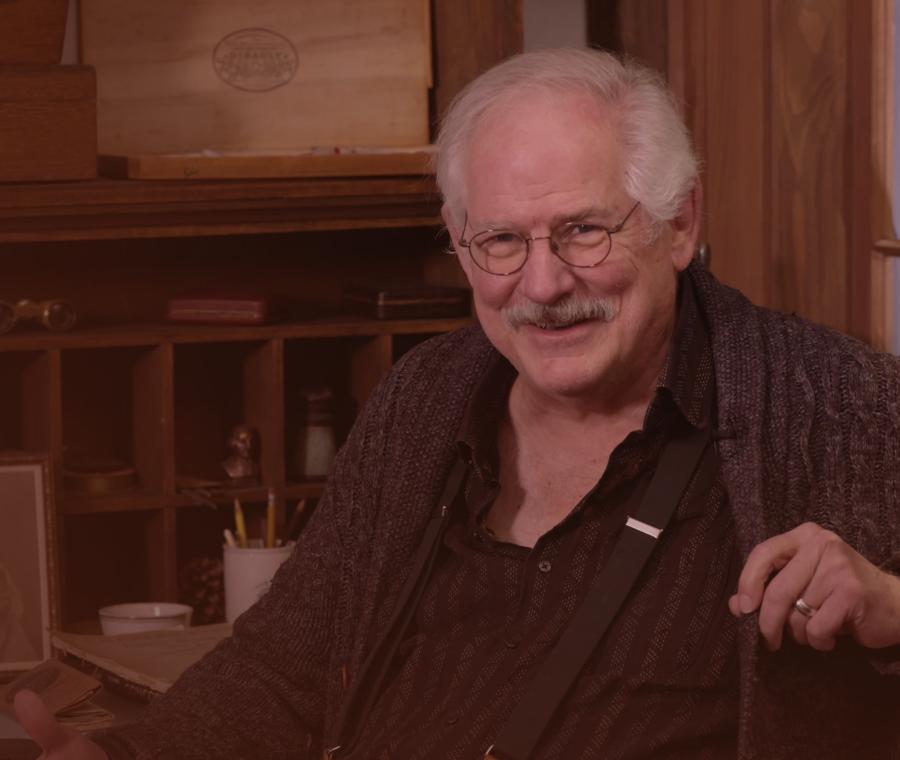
(347, 367)
(219, 386)
(26, 383)
(113, 411)
(108, 560)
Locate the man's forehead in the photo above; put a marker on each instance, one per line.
(520, 113)
(541, 159)
(597, 212)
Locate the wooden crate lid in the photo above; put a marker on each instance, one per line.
(47, 83)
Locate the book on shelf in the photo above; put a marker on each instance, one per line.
(141, 665)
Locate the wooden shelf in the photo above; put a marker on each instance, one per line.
(887, 247)
(155, 334)
(223, 496)
(106, 209)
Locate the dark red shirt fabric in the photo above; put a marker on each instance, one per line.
(664, 681)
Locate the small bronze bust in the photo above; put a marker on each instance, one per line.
(243, 452)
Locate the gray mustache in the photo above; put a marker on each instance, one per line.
(561, 313)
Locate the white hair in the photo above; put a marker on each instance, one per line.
(660, 165)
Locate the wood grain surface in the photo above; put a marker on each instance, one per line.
(336, 162)
(270, 75)
(470, 37)
(48, 125)
(788, 103)
(32, 31)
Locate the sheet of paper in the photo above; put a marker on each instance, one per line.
(154, 659)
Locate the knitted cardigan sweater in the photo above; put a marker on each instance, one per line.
(809, 425)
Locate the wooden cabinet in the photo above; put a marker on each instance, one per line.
(127, 385)
(160, 397)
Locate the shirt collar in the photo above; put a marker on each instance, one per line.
(687, 378)
(477, 440)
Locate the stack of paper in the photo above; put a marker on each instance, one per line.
(66, 692)
(142, 663)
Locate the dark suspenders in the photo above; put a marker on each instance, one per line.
(368, 683)
(516, 740)
(520, 734)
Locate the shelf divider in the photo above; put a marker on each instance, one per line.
(161, 556)
(151, 334)
(148, 419)
(264, 409)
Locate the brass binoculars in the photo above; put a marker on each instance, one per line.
(53, 314)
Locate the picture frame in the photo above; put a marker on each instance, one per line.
(28, 572)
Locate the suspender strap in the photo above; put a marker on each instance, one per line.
(367, 684)
(679, 460)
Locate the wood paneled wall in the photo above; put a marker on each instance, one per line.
(787, 103)
(470, 36)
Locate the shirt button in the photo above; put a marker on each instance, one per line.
(544, 565)
(452, 719)
(511, 643)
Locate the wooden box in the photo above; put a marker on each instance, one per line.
(32, 31)
(222, 310)
(409, 301)
(48, 123)
(268, 75)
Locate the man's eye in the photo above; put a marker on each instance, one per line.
(501, 238)
(583, 233)
(501, 243)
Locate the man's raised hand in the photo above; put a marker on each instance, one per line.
(839, 591)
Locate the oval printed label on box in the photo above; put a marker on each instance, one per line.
(255, 60)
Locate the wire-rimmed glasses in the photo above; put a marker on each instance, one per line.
(581, 243)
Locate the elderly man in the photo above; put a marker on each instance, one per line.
(629, 515)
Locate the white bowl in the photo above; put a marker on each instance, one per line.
(144, 616)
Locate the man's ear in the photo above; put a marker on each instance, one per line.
(686, 228)
(454, 231)
(450, 223)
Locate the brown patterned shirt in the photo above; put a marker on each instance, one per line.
(664, 680)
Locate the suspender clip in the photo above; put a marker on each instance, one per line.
(643, 527)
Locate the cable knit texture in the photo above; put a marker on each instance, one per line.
(809, 431)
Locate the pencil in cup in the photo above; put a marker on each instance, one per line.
(240, 527)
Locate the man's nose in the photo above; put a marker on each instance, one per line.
(545, 276)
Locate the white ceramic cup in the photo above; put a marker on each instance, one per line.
(248, 573)
(143, 616)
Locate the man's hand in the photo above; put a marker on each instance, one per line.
(57, 742)
(845, 593)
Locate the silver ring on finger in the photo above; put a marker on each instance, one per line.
(803, 608)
